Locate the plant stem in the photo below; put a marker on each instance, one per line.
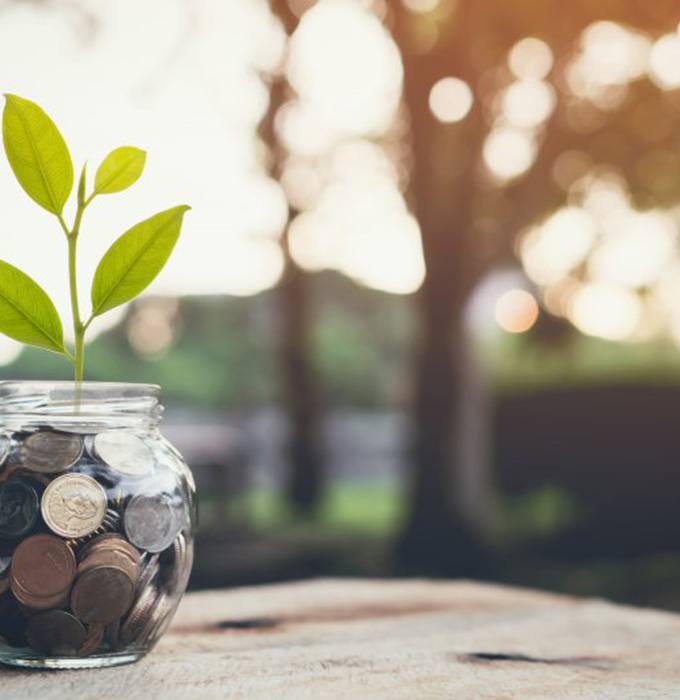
(78, 326)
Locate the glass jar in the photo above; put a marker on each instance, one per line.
(97, 516)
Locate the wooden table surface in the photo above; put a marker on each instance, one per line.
(387, 639)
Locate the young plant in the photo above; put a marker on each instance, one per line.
(42, 164)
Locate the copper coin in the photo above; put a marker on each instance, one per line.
(124, 452)
(112, 634)
(98, 541)
(56, 632)
(115, 552)
(152, 522)
(50, 452)
(19, 508)
(95, 636)
(32, 604)
(12, 621)
(43, 566)
(102, 594)
(110, 559)
(74, 505)
(111, 541)
(138, 615)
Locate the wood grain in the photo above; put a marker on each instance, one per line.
(388, 639)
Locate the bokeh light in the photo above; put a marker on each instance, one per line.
(351, 92)
(528, 103)
(153, 325)
(9, 350)
(421, 6)
(530, 59)
(610, 55)
(664, 62)
(637, 252)
(516, 311)
(509, 152)
(553, 249)
(605, 310)
(450, 99)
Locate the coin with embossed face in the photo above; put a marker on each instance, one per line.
(50, 452)
(74, 505)
(56, 632)
(152, 522)
(124, 452)
(19, 508)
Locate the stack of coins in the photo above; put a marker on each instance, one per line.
(95, 543)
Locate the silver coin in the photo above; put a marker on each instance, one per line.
(49, 452)
(158, 622)
(4, 564)
(124, 452)
(152, 522)
(150, 568)
(181, 557)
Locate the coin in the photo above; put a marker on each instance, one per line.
(74, 505)
(42, 571)
(180, 560)
(5, 561)
(114, 558)
(151, 522)
(138, 615)
(112, 633)
(157, 622)
(95, 636)
(56, 632)
(124, 452)
(12, 621)
(43, 565)
(150, 568)
(102, 594)
(50, 452)
(19, 508)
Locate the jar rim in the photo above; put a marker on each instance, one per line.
(65, 403)
(136, 388)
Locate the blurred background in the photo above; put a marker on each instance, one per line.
(424, 317)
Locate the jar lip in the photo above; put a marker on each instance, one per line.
(64, 403)
(130, 388)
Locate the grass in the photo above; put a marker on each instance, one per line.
(351, 506)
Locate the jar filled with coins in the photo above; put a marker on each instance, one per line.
(97, 514)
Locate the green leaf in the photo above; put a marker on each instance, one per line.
(26, 312)
(120, 169)
(134, 260)
(37, 153)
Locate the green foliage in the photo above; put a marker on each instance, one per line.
(37, 153)
(42, 164)
(119, 170)
(134, 260)
(26, 312)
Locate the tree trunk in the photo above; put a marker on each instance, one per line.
(300, 389)
(301, 395)
(437, 536)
